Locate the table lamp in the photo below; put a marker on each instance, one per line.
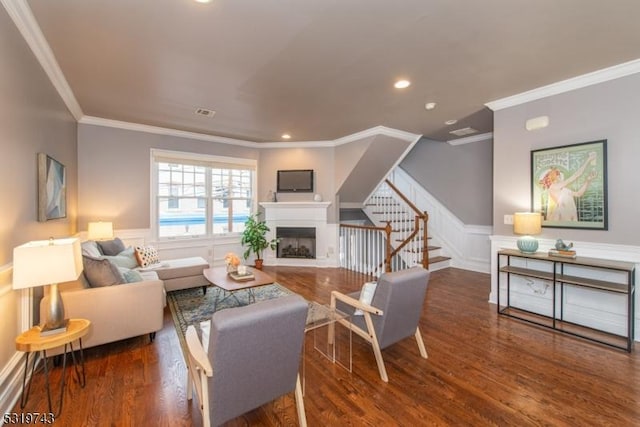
(48, 262)
(528, 224)
(100, 230)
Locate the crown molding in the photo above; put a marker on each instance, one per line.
(21, 14)
(137, 127)
(377, 131)
(470, 139)
(157, 130)
(589, 79)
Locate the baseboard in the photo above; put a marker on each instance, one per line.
(11, 382)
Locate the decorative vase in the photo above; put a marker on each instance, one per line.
(259, 264)
(231, 268)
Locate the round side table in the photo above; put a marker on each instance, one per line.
(32, 342)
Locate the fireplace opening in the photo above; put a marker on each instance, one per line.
(296, 242)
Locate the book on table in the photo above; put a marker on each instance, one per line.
(242, 277)
(44, 331)
(562, 253)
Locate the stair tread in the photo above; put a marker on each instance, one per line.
(429, 248)
(435, 259)
(416, 238)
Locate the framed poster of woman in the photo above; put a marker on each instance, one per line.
(569, 185)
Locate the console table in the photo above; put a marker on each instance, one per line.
(554, 270)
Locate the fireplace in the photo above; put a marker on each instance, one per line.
(296, 242)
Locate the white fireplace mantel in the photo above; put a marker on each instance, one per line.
(278, 211)
(303, 214)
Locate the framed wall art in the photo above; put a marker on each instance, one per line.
(569, 185)
(52, 188)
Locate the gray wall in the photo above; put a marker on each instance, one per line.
(115, 171)
(605, 111)
(366, 170)
(33, 119)
(459, 176)
(318, 159)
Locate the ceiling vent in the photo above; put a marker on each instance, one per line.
(463, 131)
(205, 112)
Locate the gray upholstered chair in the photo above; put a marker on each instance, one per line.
(253, 357)
(393, 314)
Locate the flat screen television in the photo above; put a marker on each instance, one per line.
(295, 181)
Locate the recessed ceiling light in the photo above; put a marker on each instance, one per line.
(451, 122)
(286, 136)
(202, 1)
(401, 84)
(430, 105)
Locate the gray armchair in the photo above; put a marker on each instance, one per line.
(252, 358)
(393, 314)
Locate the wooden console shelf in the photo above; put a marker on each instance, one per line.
(555, 274)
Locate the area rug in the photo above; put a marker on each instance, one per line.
(191, 306)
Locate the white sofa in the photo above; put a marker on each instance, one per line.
(127, 310)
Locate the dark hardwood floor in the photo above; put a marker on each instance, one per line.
(482, 370)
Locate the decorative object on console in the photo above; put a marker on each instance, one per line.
(48, 262)
(254, 237)
(563, 250)
(527, 224)
(52, 188)
(100, 230)
(562, 246)
(317, 197)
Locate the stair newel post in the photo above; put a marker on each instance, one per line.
(425, 242)
(388, 248)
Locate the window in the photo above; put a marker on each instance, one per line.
(199, 196)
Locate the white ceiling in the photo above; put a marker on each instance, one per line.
(323, 69)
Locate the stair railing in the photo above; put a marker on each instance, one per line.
(417, 239)
(401, 243)
(365, 249)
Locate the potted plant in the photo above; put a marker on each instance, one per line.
(254, 238)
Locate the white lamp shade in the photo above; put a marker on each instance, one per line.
(100, 230)
(44, 262)
(528, 223)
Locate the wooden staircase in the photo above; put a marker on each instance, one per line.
(398, 238)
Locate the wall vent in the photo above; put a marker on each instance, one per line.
(205, 112)
(463, 131)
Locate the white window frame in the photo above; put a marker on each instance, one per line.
(207, 160)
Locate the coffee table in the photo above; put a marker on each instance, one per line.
(219, 277)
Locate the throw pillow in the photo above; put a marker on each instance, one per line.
(130, 276)
(146, 255)
(126, 259)
(101, 272)
(90, 248)
(111, 247)
(366, 295)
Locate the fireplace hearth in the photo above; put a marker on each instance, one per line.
(296, 242)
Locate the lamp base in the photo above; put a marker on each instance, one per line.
(55, 311)
(528, 245)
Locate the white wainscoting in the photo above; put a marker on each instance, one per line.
(468, 245)
(600, 310)
(16, 314)
(213, 250)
